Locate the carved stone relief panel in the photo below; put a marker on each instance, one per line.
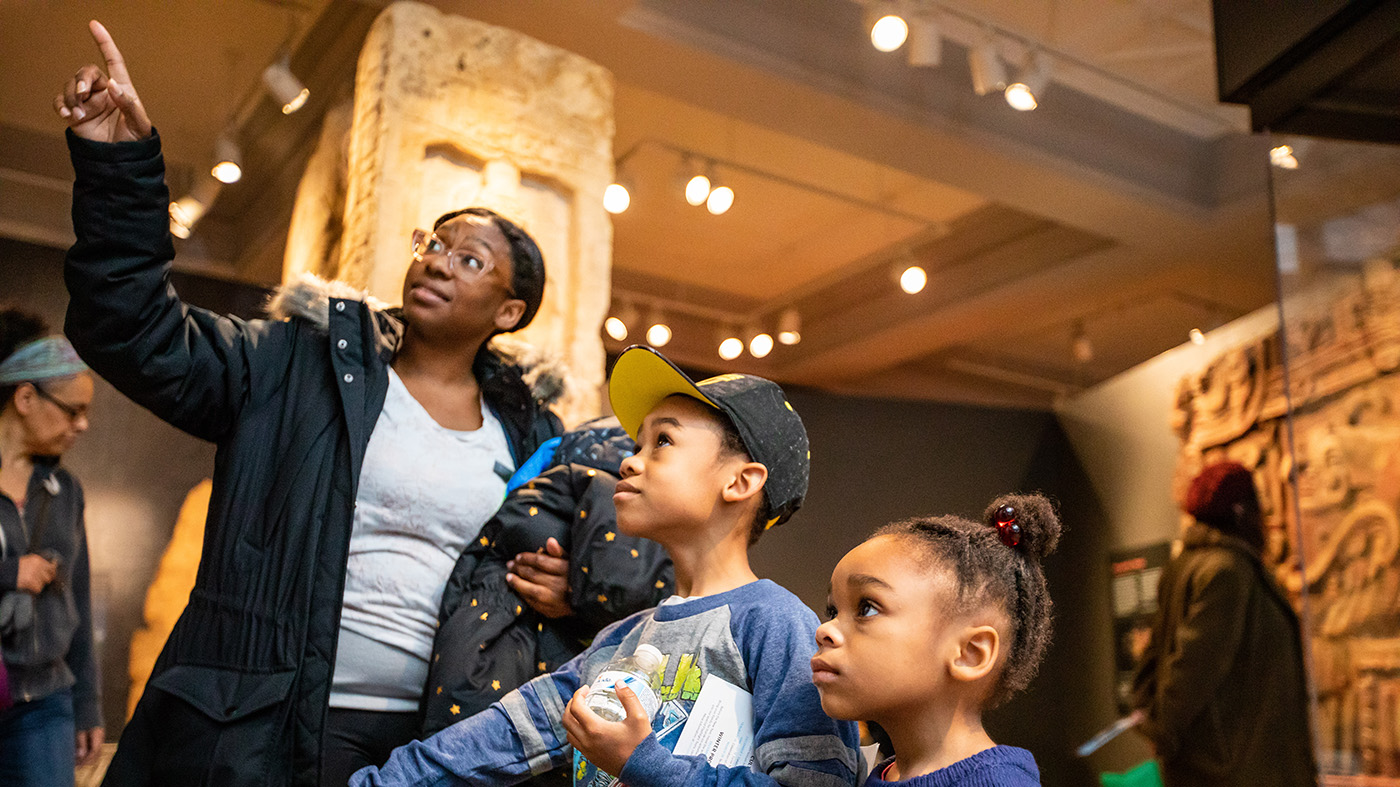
(1333, 534)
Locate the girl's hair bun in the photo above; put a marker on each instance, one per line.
(1025, 523)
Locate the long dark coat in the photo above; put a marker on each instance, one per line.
(1223, 681)
(239, 694)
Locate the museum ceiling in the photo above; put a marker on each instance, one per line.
(1061, 246)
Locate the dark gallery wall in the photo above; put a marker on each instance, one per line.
(873, 461)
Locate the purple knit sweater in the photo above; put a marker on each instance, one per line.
(999, 766)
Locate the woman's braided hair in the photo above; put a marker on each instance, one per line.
(997, 564)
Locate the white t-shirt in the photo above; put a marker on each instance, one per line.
(425, 491)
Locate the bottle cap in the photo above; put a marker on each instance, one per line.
(648, 657)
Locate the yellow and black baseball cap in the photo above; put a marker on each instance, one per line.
(770, 429)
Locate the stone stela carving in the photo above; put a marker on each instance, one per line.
(1334, 535)
(448, 113)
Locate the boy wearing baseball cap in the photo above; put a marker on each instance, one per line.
(717, 463)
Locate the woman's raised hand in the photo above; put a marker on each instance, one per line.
(103, 107)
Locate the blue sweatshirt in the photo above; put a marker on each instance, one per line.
(999, 766)
(759, 637)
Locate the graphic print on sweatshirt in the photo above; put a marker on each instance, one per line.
(692, 648)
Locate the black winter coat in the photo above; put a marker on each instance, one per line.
(239, 694)
(1223, 680)
(489, 642)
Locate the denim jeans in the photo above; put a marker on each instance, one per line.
(37, 742)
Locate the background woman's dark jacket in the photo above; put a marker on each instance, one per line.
(1223, 681)
(489, 642)
(55, 651)
(239, 694)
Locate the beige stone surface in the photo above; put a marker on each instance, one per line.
(314, 236)
(170, 590)
(449, 113)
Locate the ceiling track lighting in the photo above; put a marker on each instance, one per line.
(789, 327)
(696, 179)
(889, 32)
(1080, 347)
(913, 279)
(730, 346)
(925, 42)
(284, 87)
(1025, 93)
(228, 160)
(988, 72)
(760, 342)
(622, 321)
(659, 334)
(616, 328)
(1283, 157)
(186, 211)
(721, 197)
(617, 197)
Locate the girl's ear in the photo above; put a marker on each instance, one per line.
(977, 654)
(748, 481)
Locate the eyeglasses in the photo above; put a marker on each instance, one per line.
(73, 413)
(462, 263)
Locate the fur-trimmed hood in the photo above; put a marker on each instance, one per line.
(308, 298)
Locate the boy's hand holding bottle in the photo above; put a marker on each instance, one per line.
(607, 744)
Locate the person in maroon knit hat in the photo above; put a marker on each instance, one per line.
(1222, 684)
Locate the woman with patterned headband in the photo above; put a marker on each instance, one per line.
(45, 614)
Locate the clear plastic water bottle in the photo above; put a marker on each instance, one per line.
(635, 672)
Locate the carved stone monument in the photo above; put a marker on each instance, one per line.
(1334, 535)
(448, 113)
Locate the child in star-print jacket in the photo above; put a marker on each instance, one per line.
(489, 642)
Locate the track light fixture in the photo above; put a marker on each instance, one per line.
(988, 72)
(659, 333)
(889, 32)
(284, 87)
(697, 183)
(1024, 94)
(616, 328)
(616, 198)
(730, 345)
(913, 280)
(789, 327)
(925, 42)
(760, 343)
(721, 198)
(623, 320)
(1282, 156)
(228, 160)
(1080, 347)
(186, 211)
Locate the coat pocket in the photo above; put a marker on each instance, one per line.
(225, 695)
(219, 726)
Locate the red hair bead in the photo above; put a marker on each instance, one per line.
(1007, 530)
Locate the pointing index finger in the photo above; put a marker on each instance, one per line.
(116, 67)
